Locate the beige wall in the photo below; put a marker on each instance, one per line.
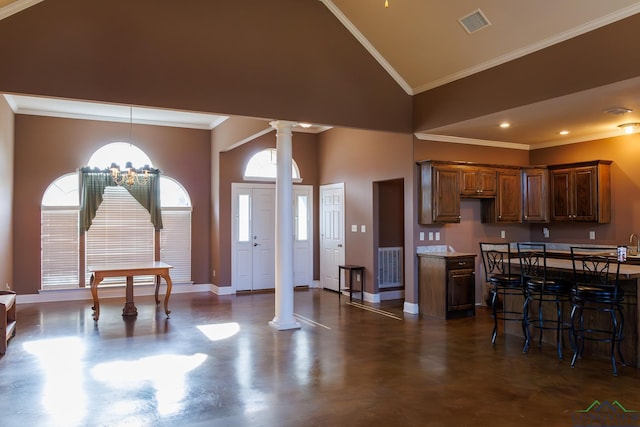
(50, 147)
(6, 194)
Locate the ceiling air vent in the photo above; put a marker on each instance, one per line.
(474, 21)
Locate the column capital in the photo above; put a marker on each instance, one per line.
(283, 124)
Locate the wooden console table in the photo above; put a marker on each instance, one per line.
(128, 270)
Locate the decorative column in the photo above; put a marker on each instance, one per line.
(284, 318)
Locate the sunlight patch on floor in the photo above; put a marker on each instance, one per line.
(219, 331)
(63, 394)
(165, 372)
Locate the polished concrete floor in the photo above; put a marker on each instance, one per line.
(216, 362)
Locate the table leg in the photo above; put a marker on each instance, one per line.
(168, 294)
(129, 306)
(362, 285)
(339, 282)
(157, 288)
(350, 285)
(94, 294)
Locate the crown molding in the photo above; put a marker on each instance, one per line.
(471, 141)
(368, 46)
(550, 41)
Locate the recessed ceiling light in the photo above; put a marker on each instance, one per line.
(564, 132)
(618, 110)
(305, 125)
(505, 125)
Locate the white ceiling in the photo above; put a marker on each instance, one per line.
(422, 45)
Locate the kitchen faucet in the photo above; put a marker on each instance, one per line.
(637, 241)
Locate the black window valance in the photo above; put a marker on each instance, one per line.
(94, 181)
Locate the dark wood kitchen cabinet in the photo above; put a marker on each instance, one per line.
(506, 206)
(509, 197)
(535, 194)
(581, 192)
(447, 285)
(477, 182)
(439, 193)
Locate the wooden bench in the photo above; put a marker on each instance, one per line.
(7, 318)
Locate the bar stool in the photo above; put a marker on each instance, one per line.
(596, 289)
(496, 259)
(538, 288)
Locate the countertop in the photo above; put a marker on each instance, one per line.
(446, 254)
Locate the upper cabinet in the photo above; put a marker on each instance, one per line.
(512, 194)
(535, 194)
(506, 206)
(477, 182)
(439, 193)
(509, 197)
(581, 192)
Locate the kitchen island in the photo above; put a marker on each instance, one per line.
(562, 268)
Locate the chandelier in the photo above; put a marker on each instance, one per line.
(130, 175)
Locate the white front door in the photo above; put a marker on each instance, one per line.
(331, 234)
(263, 235)
(253, 246)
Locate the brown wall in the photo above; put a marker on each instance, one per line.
(588, 61)
(232, 165)
(359, 159)
(624, 151)
(278, 59)
(50, 147)
(464, 237)
(6, 194)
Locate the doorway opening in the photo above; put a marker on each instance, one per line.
(388, 221)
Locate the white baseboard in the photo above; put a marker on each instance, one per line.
(411, 308)
(82, 294)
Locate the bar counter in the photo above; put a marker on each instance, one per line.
(562, 268)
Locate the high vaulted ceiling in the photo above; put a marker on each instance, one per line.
(422, 45)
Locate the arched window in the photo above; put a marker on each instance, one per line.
(262, 166)
(121, 230)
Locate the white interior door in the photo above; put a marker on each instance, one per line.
(331, 234)
(253, 251)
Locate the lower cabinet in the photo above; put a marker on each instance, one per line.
(446, 285)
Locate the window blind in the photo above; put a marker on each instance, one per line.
(175, 242)
(120, 233)
(60, 247)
